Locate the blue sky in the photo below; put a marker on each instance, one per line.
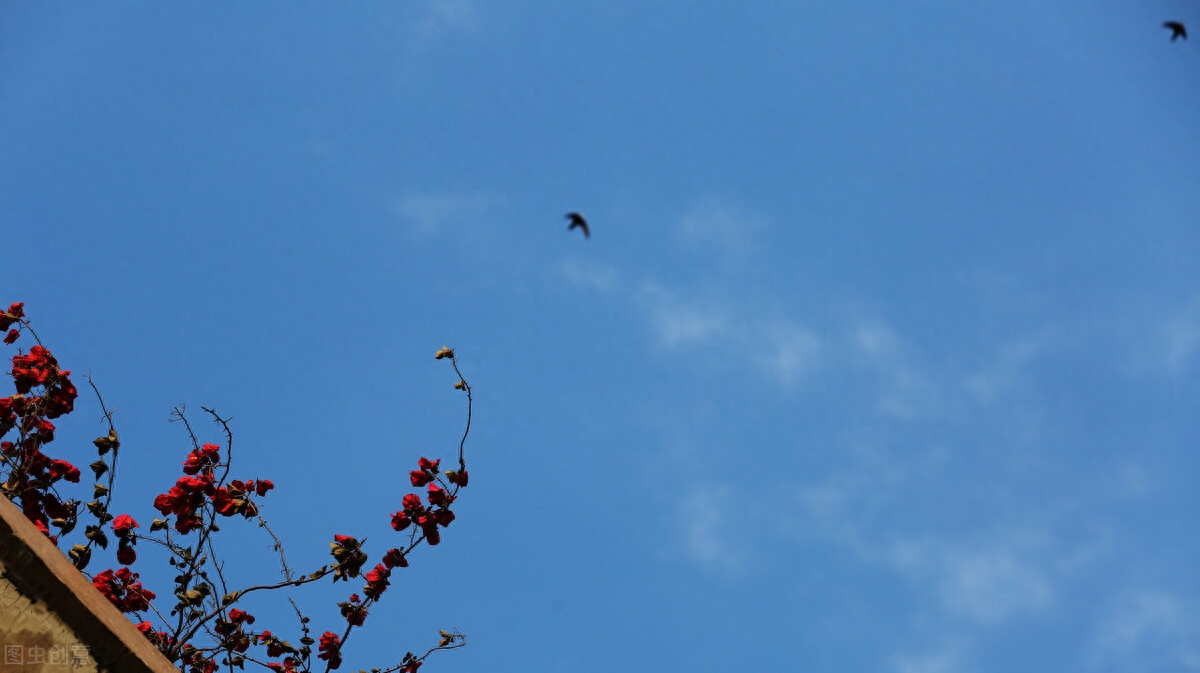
(882, 355)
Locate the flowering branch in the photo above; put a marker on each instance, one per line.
(205, 603)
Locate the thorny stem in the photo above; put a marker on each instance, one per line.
(414, 541)
(462, 465)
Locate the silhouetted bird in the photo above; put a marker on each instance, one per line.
(1177, 30)
(578, 221)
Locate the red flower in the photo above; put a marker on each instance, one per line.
(437, 496)
(331, 649)
(14, 313)
(123, 589)
(203, 458)
(239, 616)
(394, 558)
(126, 554)
(11, 336)
(419, 478)
(260, 487)
(400, 521)
(412, 503)
(354, 611)
(377, 581)
(275, 646)
(123, 525)
(61, 469)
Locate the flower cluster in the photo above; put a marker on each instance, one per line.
(348, 556)
(233, 635)
(122, 527)
(123, 589)
(160, 639)
(353, 610)
(377, 581)
(43, 392)
(330, 649)
(195, 661)
(429, 519)
(275, 646)
(288, 665)
(187, 498)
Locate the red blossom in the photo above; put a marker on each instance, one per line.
(14, 313)
(275, 646)
(400, 521)
(203, 458)
(395, 558)
(123, 589)
(354, 611)
(437, 495)
(61, 469)
(240, 616)
(126, 554)
(11, 336)
(377, 581)
(331, 649)
(123, 525)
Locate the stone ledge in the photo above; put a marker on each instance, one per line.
(44, 574)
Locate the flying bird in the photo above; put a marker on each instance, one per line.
(578, 221)
(1177, 30)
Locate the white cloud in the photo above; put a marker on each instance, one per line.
(718, 227)
(707, 530)
(876, 341)
(430, 214)
(787, 350)
(1150, 628)
(987, 583)
(687, 324)
(1181, 337)
(599, 277)
(948, 659)
(442, 16)
(784, 350)
(990, 383)
(906, 392)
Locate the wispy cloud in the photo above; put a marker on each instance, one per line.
(1181, 337)
(946, 659)
(593, 275)
(707, 530)
(717, 226)
(994, 380)
(680, 321)
(430, 214)
(991, 583)
(1150, 629)
(787, 350)
(906, 392)
(988, 582)
(782, 349)
(442, 16)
